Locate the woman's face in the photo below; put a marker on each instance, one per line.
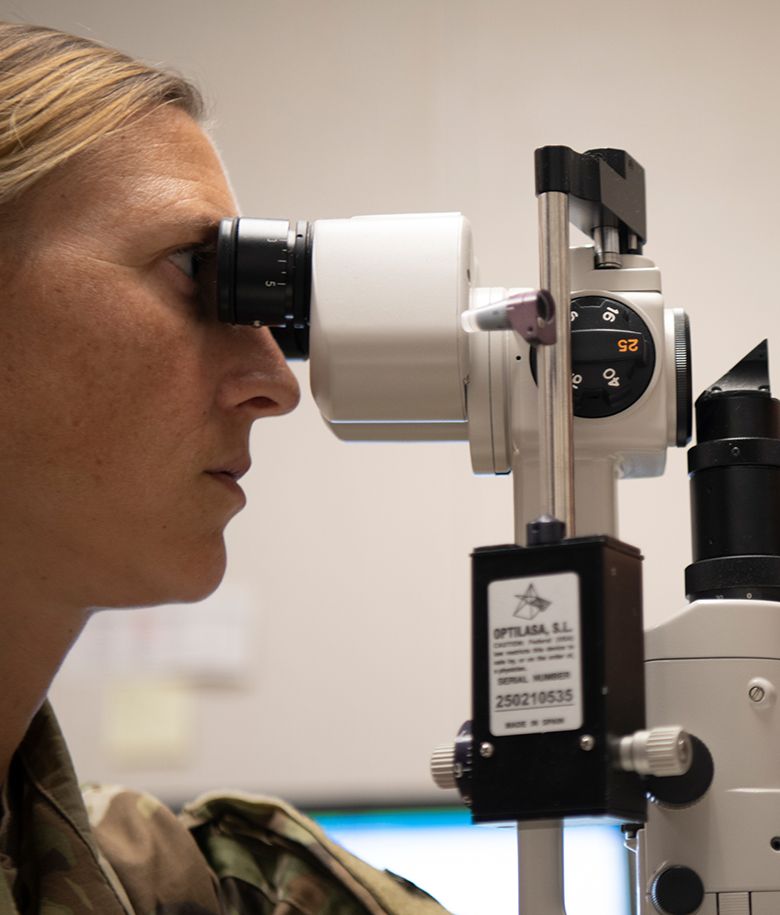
(125, 406)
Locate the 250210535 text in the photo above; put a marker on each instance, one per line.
(550, 697)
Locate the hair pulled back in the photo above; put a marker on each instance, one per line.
(60, 93)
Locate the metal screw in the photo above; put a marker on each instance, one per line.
(735, 451)
(587, 742)
(762, 693)
(486, 749)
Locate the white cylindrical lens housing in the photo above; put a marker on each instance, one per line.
(386, 341)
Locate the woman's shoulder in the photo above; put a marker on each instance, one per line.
(261, 854)
(125, 851)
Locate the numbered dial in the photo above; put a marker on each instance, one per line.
(612, 356)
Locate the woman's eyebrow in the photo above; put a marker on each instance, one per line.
(189, 229)
(206, 225)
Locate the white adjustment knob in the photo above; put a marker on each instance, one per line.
(443, 766)
(661, 751)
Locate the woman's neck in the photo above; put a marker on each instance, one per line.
(34, 640)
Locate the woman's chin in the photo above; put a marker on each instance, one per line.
(182, 581)
(200, 581)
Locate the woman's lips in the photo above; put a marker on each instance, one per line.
(229, 480)
(233, 469)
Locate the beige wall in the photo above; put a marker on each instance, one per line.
(355, 557)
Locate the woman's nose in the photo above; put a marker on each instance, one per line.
(260, 379)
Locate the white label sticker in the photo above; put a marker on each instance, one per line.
(534, 648)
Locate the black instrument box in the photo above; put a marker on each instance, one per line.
(558, 671)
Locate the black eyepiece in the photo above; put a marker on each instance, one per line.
(264, 278)
(735, 486)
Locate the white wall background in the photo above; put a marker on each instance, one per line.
(354, 558)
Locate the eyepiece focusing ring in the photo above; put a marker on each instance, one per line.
(264, 278)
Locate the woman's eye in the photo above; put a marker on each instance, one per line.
(186, 260)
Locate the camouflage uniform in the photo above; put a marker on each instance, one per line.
(118, 852)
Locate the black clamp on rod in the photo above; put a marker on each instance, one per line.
(606, 190)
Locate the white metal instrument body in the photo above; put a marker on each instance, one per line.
(390, 360)
(701, 667)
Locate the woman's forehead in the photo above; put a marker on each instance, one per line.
(159, 167)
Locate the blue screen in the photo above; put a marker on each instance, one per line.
(472, 870)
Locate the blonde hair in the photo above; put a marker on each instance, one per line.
(60, 93)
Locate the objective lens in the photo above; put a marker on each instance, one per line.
(264, 278)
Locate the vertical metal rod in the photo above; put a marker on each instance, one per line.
(540, 868)
(555, 401)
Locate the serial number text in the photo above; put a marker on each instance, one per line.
(550, 697)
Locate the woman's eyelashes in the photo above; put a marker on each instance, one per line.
(187, 260)
(194, 259)
(199, 264)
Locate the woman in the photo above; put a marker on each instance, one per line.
(125, 410)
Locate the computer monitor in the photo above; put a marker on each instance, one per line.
(472, 870)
